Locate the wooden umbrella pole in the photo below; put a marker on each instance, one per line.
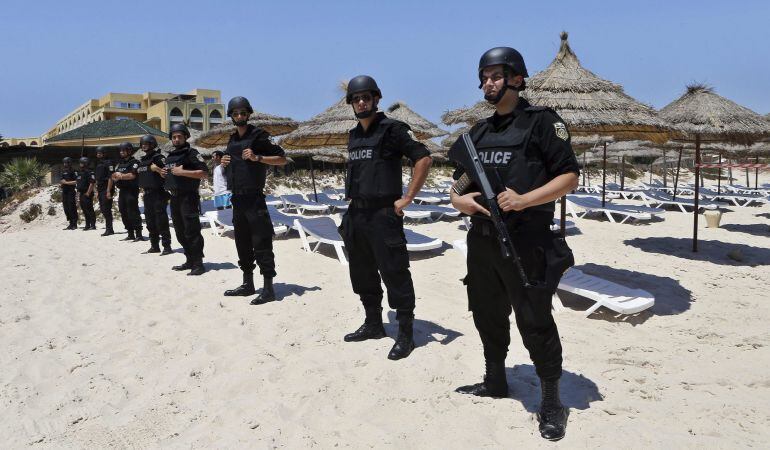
(312, 177)
(604, 173)
(747, 179)
(678, 165)
(585, 168)
(756, 174)
(719, 176)
(615, 175)
(697, 194)
(623, 172)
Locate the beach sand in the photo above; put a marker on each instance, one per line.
(107, 347)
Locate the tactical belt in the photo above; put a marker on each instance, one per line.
(177, 192)
(376, 203)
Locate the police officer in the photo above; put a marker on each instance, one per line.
(373, 227)
(128, 201)
(67, 183)
(85, 182)
(103, 173)
(183, 172)
(526, 150)
(155, 196)
(248, 154)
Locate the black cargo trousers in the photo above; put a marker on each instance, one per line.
(253, 232)
(376, 246)
(156, 217)
(495, 289)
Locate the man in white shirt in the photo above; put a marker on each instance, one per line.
(221, 194)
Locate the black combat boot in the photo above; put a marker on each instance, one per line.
(166, 250)
(108, 232)
(129, 237)
(552, 415)
(405, 340)
(153, 248)
(372, 327)
(196, 268)
(247, 288)
(267, 295)
(494, 384)
(73, 226)
(186, 266)
(138, 237)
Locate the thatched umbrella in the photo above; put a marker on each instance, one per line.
(422, 128)
(589, 105)
(700, 115)
(220, 134)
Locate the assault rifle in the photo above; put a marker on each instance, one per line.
(463, 152)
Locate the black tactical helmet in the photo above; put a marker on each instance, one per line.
(148, 139)
(84, 160)
(361, 83)
(127, 146)
(66, 160)
(505, 56)
(239, 102)
(178, 128)
(100, 149)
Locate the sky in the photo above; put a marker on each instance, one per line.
(289, 58)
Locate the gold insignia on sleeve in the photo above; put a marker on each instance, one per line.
(411, 135)
(561, 131)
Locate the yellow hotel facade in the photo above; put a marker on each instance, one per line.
(200, 109)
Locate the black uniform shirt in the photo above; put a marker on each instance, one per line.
(128, 165)
(549, 137)
(68, 175)
(104, 169)
(84, 179)
(396, 142)
(244, 175)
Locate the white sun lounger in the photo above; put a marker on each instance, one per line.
(592, 205)
(301, 205)
(224, 218)
(324, 230)
(661, 199)
(272, 200)
(735, 199)
(334, 204)
(613, 296)
(429, 211)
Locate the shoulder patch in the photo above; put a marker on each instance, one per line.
(561, 130)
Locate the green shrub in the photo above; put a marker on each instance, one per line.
(23, 173)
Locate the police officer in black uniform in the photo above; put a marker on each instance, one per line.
(183, 172)
(105, 191)
(373, 226)
(248, 154)
(68, 181)
(85, 186)
(155, 195)
(128, 201)
(526, 151)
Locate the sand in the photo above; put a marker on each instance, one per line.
(107, 347)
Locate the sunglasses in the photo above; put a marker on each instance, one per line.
(365, 97)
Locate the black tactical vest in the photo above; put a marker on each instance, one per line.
(509, 161)
(68, 175)
(83, 180)
(377, 178)
(124, 167)
(149, 180)
(244, 177)
(104, 168)
(187, 158)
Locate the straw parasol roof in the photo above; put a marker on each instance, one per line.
(588, 104)
(421, 127)
(700, 111)
(220, 134)
(330, 128)
(327, 129)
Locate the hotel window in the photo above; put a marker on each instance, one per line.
(126, 105)
(209, 100)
